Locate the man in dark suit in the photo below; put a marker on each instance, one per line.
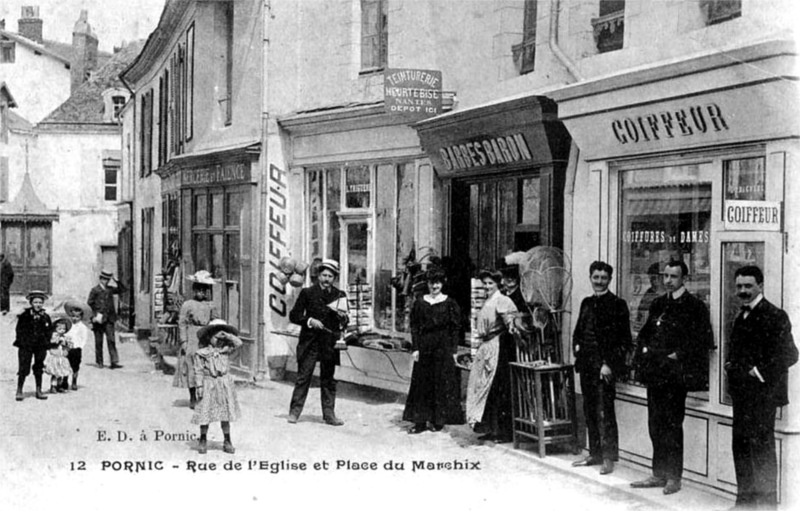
(761, 351)
(104, 315)
(320, 325)
(6, 279)
(672, 360)
(601, 342)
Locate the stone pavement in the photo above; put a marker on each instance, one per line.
(125, 440)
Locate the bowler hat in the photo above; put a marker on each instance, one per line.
(36, 294)
(330, 264)
(214, 326)
(106, 275)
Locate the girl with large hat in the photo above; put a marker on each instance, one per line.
(32, 341)
(195, 314)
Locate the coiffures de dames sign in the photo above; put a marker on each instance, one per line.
(413, 93)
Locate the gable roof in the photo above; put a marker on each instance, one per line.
(54, 49)
(85, 105)
(18, 123)
(9, 98)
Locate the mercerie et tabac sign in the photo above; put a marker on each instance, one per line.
(413, 93)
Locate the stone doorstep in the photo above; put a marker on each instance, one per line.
(693, 496)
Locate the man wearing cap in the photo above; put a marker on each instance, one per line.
(104, 315)
(761, 351)
(601, 343)
(33, 341)
(320, 326)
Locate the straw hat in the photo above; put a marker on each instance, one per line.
(36, 294)
(214, 326)
(202, 277)
(330, 264)
(63, 321)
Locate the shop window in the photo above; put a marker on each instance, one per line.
(666, 215)
(7, 52)
(374, 35)
(745, 179)
(524, 53)
(370, 230)
(170, 232)
(609, 26)
(719, 11)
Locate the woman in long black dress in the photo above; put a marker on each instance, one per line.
(434, 395)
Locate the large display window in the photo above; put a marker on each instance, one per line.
(665, 215)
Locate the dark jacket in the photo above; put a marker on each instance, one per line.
(680, 326)
(312, 302)
(764, 340)
(33, 330)
(101, 300)
(6, 274)
(607, 315)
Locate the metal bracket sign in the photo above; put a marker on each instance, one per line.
(412, 93)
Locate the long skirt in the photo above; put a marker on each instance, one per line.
(219, 402)
(434, 394)
(484, 368)
(184, 368)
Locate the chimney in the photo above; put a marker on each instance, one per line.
(29, 24)
(84, 51)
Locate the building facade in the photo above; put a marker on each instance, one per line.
(197, 177)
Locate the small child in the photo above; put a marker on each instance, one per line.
(56, 363)
(77, 337)
(215, 391)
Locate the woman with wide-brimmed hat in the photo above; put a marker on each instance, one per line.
(32, 341)
(215, 388)
(195, 314)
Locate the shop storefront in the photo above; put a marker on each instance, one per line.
(692, 161)
(503, 168)
(365, 195)
(208, 223)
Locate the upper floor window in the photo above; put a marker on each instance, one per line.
(609, 27)
(717, 11)
(525, 51)
(7, 52)
(117, 103)
(374, 36)
(111, 181)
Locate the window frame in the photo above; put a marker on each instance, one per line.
(375, 63)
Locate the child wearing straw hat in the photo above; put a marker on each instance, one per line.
(216, 392)
(56, 363)
(32, 340)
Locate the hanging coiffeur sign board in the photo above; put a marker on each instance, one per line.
(752, 215)
(412, 93)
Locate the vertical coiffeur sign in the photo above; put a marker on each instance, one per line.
(412, 93)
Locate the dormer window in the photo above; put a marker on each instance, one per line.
(114, 101)
(117, 103)
(7, 52)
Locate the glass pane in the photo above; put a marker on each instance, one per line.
(216, 209)
(666, 215)
(405, 239)
(232, 294)
(385, 196)
(110, 193)
(333, 204)
(12, 238)
(529, 202)
(315, 215)
(200, 213)
(201, 257)
(217, 254)
(111, 176)
(357, 187)
(232, 261)
(233, 208)
(734, 256)
(745, 179)
(357, 253)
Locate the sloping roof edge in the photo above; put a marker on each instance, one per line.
(33, 45)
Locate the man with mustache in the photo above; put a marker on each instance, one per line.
(672, 360)
(761, 351)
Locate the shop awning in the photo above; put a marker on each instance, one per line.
(503, 136)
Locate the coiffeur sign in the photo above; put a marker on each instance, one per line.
(415, 93)
(747, 215)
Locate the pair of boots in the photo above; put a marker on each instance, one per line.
(21, 382)
(227, 446)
